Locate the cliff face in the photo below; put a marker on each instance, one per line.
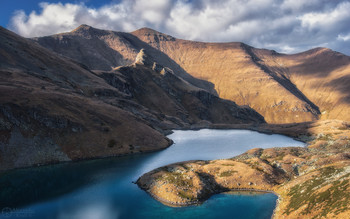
(54, 109)
(282, 88)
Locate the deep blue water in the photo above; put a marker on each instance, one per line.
(104, 189)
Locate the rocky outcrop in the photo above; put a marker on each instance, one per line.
(143, 59)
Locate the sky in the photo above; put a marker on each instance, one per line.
(287, 26)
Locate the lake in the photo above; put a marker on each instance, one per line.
(103, 188)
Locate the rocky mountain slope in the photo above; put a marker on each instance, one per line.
(54, 109)
(283, 88)
(105, 50)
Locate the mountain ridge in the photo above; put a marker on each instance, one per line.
(54, 109)
(233, 70)
(250, 76)
(238, 71)
(109, 49)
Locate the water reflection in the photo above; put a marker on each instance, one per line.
(103, 189)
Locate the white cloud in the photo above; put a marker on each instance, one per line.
(327, 20)
(344, 37)
(287, 26)
(54, 18)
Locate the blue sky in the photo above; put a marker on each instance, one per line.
(8, 7)
(287, 26)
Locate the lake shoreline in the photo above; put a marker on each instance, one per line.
(199, 202)
(112, 178)
(260, 128)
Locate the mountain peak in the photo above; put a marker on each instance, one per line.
(151, 35)
(88, 31)
(147, 30)
(83, 27)
(319, 51)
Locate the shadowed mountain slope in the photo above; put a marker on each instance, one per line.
(104, 50)
(159, 89)
(54, 109)
(50, 110)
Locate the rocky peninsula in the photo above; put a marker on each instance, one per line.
(311, 182)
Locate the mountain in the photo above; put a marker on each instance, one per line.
(54, 109)
(283, 88)
(147, 82)
(321, 74)
(105, 50)
(311, 85)
(49, 111)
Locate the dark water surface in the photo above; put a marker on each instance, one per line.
(104, 189)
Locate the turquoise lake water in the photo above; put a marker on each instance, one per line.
(104, 189)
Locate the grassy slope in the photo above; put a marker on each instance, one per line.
(309, 85)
